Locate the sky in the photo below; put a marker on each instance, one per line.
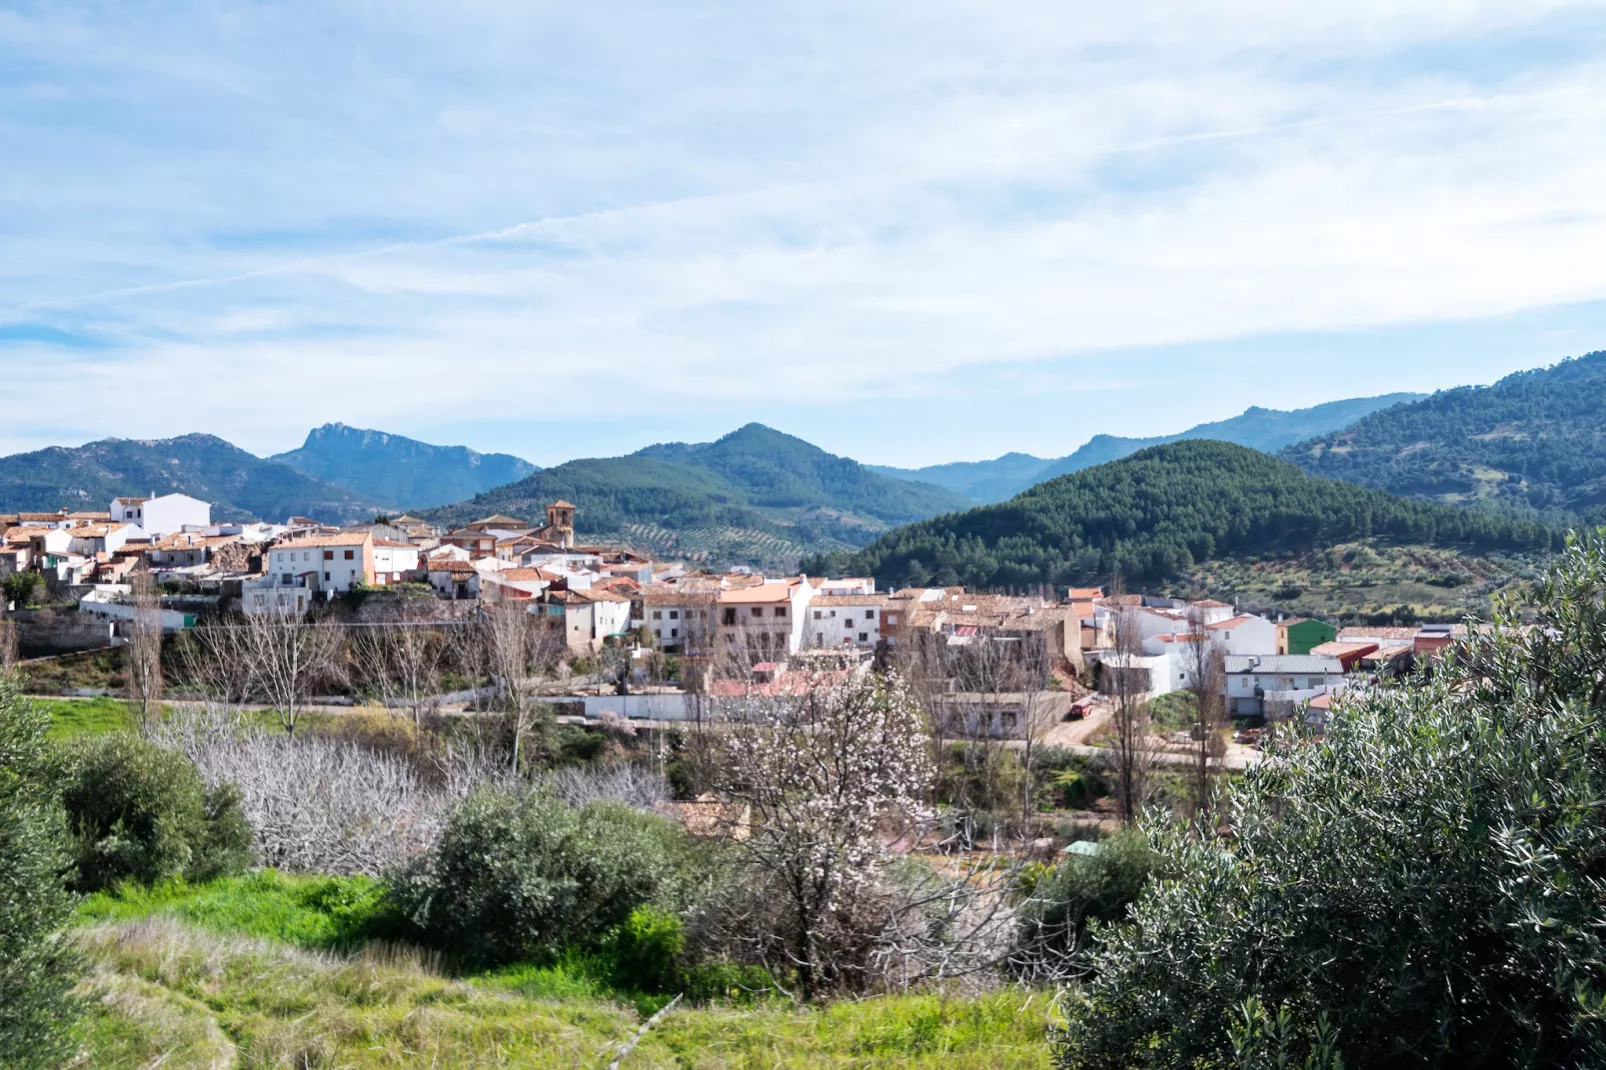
(910, 233)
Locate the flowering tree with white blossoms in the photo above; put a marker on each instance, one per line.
(819, 784)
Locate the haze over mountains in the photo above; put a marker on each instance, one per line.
(401, 470)
(1267, 430)
(1533, 445)
(240, 485)
(755, 495)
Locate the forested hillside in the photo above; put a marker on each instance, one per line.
(239, 485)
(1156, 514)
(401, 471)
(1535, 440)
(756, 495)
(985, 482)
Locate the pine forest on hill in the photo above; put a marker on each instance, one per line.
(1533, 443)
(756, 496)
(1155, 516)
(239, 485)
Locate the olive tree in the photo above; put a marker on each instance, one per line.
(1422, 887)
(38, 965)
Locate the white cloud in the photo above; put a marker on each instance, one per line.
(725, 206)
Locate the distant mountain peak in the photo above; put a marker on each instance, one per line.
(401, 471)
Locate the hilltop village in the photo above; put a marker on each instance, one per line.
(1054, 654)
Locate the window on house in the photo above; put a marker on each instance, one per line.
(326, 577)
(674, 614)
(864, 637)
(780, 611)
(674, 633)
(758, 611)
(730, 616)
(1007, 719)
(351, 555)
(657, 614)
(869, 614)
(819, 638)
(816, 614)
(328, 555)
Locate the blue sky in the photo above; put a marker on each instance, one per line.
(909, 233)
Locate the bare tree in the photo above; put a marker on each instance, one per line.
(508, 644)
(143, 652)
(9, 654)
(402, 660)
(214, 666)
(1206, 675)
(1128, 684)
(285, 656)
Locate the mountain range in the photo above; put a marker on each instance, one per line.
(755, 496)
(402, 471)
(1154, 515)
(1531, 446)
(1534, 442)
(1267, 430)
(240, 485)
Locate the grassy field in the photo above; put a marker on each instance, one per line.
(1354, 581)
(238, 972)
(86, 717)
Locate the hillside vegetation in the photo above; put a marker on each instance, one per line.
(404, 472)
(756, 495)
(1534, 441)
(985, 482)
(1155, 515)
(240, 485)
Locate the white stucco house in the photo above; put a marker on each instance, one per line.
(1244, 636)
(832, 621)
(766, 620)
(163, 514)
(391, 559)
(1254, 682)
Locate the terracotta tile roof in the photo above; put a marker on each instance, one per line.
(520, 575)
(672, 596)
(760, 594)
(343, 538)
(1211, 603)
(24, 532)
(848, 600)
(1232, 622)
(394, 545)
(1349, 635)
(1338, 650)
(561, 504)
(452, 566)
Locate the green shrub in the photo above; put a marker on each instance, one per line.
(38, 969)
(522, 876)
(1059, 909)
(1426, 879)
(138, 812)
(646, 949)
